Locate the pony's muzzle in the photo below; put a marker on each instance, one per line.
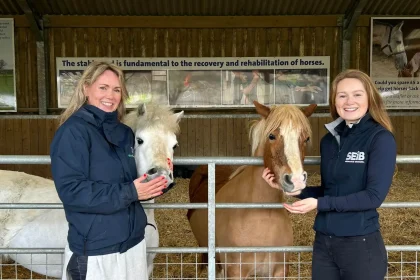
(156, 172)
(159, 172)
(293, 183)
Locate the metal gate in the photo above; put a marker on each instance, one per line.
(400, 257)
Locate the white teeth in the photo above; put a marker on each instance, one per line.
(350, 109)
(106, 103)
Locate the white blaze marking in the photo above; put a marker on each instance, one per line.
(291, 150)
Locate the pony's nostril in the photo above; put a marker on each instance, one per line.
(305, 176)
(170, 176)
(288, 179)
(152, 171)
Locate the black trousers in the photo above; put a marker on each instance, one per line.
(349, 258)
(77, 267)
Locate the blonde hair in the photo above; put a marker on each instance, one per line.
(89, 76)
(376, 105)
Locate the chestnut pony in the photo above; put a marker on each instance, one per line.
(280, 137)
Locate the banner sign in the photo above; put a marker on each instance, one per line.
(395, 60)
(210, 82)
(7, 66)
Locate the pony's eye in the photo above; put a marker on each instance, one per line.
(175, 146)
(139, 141)
(307, 139)
(271, 137)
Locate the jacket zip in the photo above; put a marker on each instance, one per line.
(334, 173)
(84, 247)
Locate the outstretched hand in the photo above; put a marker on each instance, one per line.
(151, 189)
(302, 206)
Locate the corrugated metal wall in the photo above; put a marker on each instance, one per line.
(192, 7)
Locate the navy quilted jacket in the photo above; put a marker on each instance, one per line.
(93, 170)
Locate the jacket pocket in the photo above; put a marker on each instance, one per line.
(108, 230)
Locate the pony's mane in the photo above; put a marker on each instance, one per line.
(288, 117)
(156, 115)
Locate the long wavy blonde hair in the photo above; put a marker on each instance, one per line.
(89, 76)
(376, 106)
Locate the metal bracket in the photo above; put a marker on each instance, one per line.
(35, 21)
(351, 17)
(349, 23)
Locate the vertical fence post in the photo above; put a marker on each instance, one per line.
(211, 221)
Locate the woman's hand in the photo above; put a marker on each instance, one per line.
(302, 206)
(151, 189)
(269, 177)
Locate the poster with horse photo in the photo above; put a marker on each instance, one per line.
(395, 60)
(7, 66)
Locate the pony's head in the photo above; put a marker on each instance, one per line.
(395, 46)
(155, 128)
(280, 137)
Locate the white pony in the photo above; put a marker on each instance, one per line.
(391, 41)
(155, 129)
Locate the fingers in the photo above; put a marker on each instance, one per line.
(293, 209)
(301, 206)
(150, 189)
(142, 178)
(267, 175)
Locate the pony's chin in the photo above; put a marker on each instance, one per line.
(291, 188)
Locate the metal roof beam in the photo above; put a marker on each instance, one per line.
(351, 17)
(33, 19)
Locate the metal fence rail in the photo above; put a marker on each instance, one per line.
(309, 160)
(211, 205)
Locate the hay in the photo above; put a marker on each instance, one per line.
(399, 227)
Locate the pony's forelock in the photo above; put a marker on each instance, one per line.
(156, 115)
(287, 117)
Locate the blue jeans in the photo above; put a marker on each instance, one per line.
(349, 258)
(77, 267)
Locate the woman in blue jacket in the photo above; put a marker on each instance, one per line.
(97, 181)
(358, 156)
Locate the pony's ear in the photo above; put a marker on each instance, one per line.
(399, 25)
(178, 116)
(141, 110)
(308, 111)
(263, 110)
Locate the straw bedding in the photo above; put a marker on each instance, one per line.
(400, 226)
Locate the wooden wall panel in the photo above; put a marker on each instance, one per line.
(198, 137)
(26, 70)
(360, 49)
(27, 137)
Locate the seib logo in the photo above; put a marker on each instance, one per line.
(355, 157)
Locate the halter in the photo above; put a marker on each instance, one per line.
(389, 27)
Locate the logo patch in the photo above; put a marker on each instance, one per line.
(355, 157)
(132, 152)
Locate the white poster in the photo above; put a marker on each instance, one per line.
(7, 66)
(395, 60)
(211, 82)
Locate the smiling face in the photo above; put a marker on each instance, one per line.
(105, 92)
(351, 101)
